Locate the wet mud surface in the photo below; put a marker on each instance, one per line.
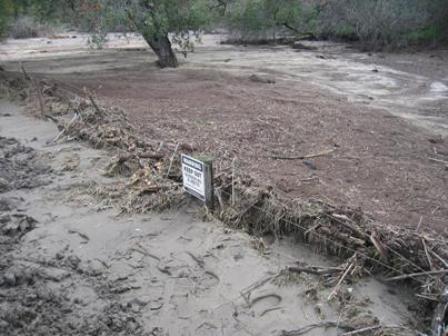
(19, 166)
(72, 266)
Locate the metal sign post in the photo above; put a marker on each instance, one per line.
(197, 175)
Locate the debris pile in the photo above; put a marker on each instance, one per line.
(151, 170)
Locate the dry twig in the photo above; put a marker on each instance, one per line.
(303, 157)
(342, 278)
(306, 329)
(412, 275)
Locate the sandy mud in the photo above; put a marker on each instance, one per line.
(73, 266)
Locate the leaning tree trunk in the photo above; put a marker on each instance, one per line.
(164, 51)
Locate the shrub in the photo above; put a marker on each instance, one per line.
(377, 24)
(6, 9)
(28, 27)
(267, 19)
(384, 23)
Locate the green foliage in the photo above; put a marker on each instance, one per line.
(430, 33)
(255, 19)
(29, 18)
(153, 19)
(25, 27)
(6, 10)
(385, 23)
(376, 23)
(97, 40)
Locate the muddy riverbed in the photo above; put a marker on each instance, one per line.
(73, 266)
(76, 265)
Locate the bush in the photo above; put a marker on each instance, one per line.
(379, 24)
(6, 9)
(28, 27)
(267, 19)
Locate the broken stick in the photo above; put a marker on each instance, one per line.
(315, 270)
(338, 285)
(412, 275)
(439, 161)
(36, 86)
(306, 329)
(342, 278)
(304, 157)
(172, 159)
(61, 133)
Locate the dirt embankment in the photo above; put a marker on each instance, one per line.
(393, 171)
(378, 162)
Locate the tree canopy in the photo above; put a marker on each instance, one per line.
(264, 18)
(6, 10)
(376, 23)
(160, 22)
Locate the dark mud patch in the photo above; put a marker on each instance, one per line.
(48, 295)
(40, 311)
(20, 167)
(30, 306)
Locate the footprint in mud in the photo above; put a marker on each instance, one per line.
(206, 328)
(199, 277)
(184, 240)
(204, 277)
(265, 303)
(208, 280)
(199, 280)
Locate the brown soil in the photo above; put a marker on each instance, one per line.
(379, 163)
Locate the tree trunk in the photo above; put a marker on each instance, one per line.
(162, 47)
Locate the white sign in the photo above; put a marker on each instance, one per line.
(193, 176)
